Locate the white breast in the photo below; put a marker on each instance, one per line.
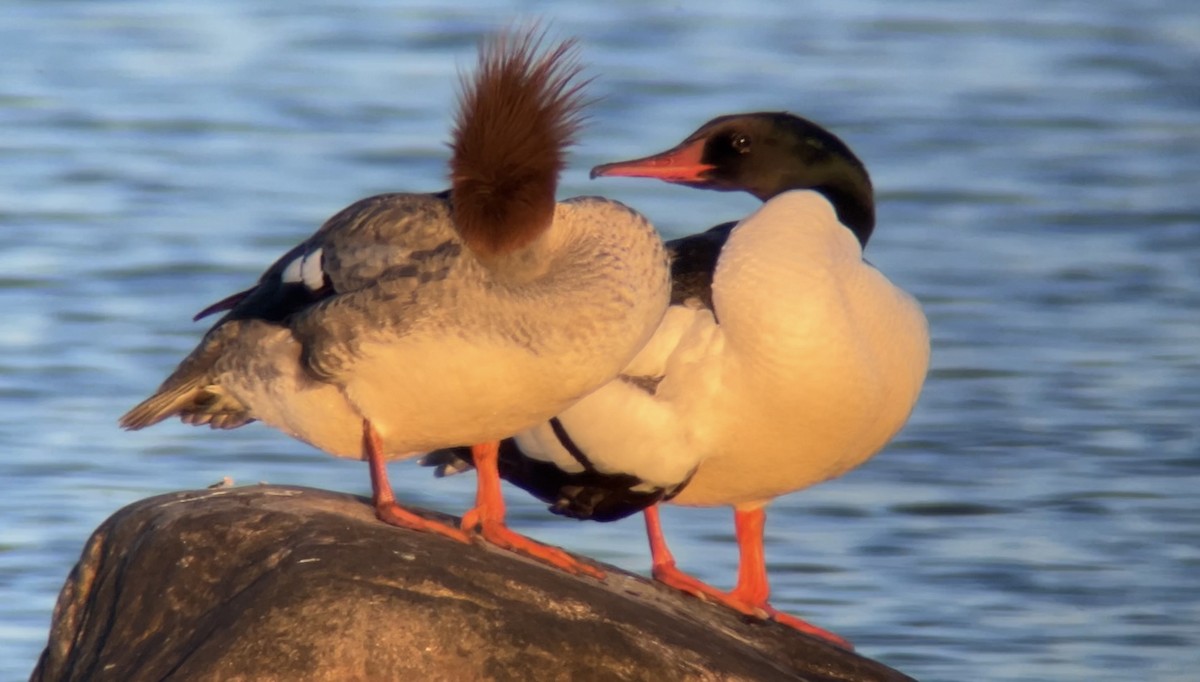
(824, 357)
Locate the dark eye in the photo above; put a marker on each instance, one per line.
(741, 142)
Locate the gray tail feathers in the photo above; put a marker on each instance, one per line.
(195, 401)
(191, 392)
(167, 402)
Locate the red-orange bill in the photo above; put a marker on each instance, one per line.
(681, 164)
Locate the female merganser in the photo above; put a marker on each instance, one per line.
(410, 322)
(784, 360)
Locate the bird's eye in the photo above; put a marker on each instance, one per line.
(741, 143)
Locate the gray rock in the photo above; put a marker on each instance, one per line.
(283, 583)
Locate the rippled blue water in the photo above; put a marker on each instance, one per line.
(1037, 166)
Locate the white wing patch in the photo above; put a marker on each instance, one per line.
(305, 269)
(311, 272)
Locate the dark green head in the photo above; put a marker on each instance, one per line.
(765, 154)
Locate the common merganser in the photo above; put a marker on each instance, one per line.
(784, 360)
(410, 322)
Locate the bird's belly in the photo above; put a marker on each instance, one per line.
(322, 417)
(424, 395)
(783, 426)
(772, 458)
(281, 394)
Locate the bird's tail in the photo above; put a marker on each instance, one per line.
(166, 402)
(194, 400)
(191, 393)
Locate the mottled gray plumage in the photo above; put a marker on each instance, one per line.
(377, 250)
(392, 264)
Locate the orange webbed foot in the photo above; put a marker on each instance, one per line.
(395, 515)
(671, 576)
(806, 627)
(504, 537)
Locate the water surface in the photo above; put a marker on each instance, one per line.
(1036, 165)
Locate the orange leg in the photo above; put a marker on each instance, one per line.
(752, 588)
(663, 568)
(386, 509)
(750, 595)
(488, 516)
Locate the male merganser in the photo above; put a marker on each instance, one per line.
(410, 322)
(784, 360)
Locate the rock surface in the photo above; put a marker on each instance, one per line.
(283, 583)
